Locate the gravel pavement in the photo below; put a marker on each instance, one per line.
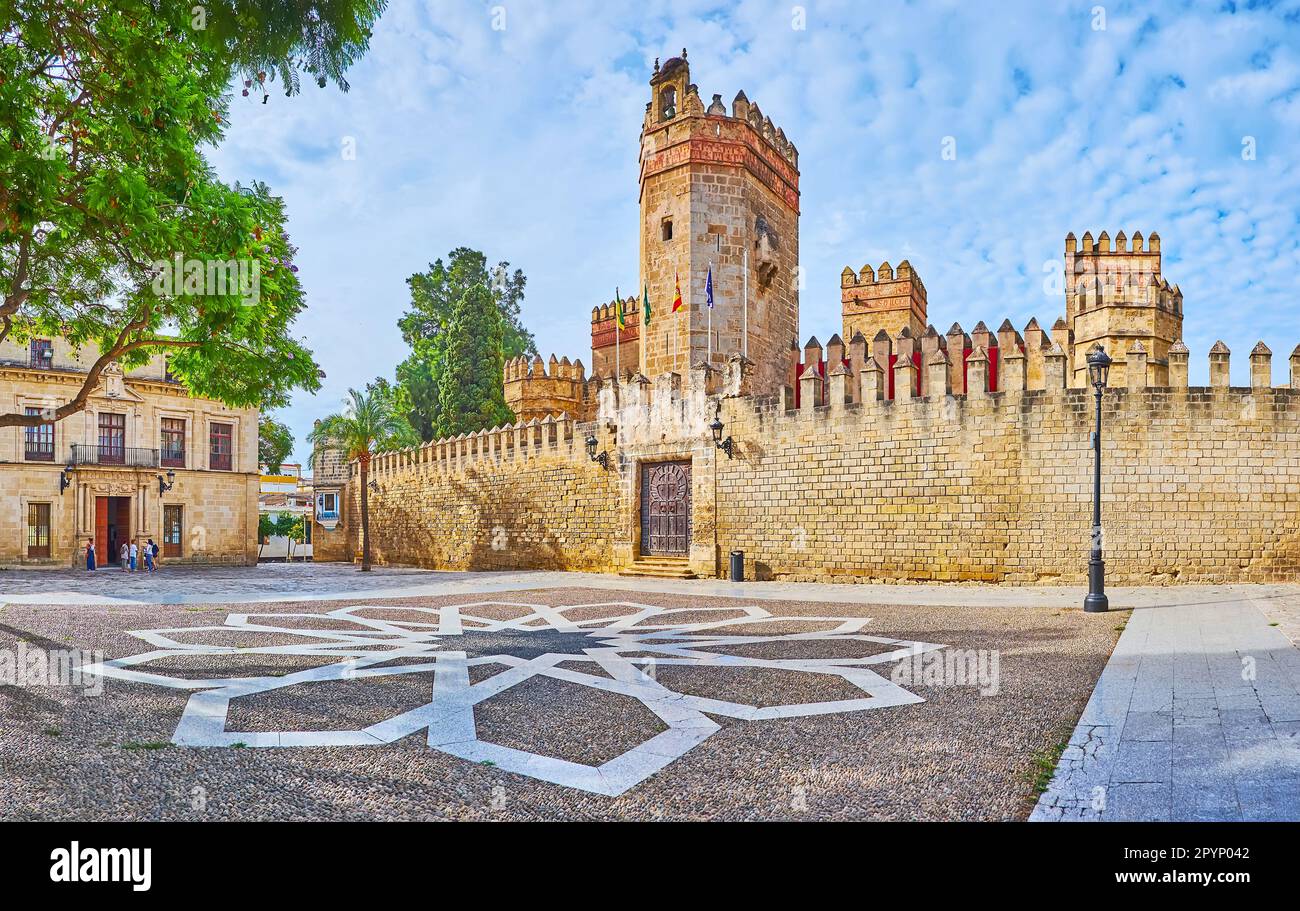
(961, 753)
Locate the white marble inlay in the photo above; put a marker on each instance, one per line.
(362, 641)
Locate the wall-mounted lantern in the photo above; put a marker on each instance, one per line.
(717, 428)
(601, 458)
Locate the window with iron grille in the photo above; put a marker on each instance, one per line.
(38, 441)
(42, 350)
(112, 438)
(172, 450)
(38, 529)
(220, 438)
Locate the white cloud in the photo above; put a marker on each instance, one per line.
(523, 143)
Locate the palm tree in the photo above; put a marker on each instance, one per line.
(366, 426)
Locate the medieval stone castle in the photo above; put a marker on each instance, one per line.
(901, 453)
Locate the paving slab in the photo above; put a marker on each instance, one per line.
(1193, 719)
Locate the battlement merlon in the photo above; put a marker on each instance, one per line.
(679, 130)
(1116, 297)
(534, 389)
(604, 326)
(883, 298)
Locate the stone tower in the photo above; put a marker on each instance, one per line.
(885, 298)
(720, 189)
(1116, 297)
(604, 324)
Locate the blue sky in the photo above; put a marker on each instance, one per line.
(522, 142)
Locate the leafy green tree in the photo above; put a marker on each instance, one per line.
(366, 426)
(417, 377)
(106, 201)
(435, 294)
(274, 443)
(470, 393)
(293, 527)
(395, 400)
(266, 527)
(318, 38)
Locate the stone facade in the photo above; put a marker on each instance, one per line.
(717, 190)
(534, 392)
(605, 360)
(116, 453)
(1117, 297)
(882, 300)
(523, 496)
(1199, 484)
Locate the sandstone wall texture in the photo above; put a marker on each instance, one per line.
(1199, 484)
(536, 502)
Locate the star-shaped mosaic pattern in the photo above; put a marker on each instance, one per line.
(616, 647)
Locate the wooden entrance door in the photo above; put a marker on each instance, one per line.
(171, 533)
(666, 509)
(112, 528)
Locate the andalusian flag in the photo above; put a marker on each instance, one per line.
(619, 317)
(645, 303)
(677, 301)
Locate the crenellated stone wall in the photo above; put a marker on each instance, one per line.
(522, 497)
(1199, 484)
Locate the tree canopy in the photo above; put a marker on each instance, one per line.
(435, 296)
(393, 399)
(470, 392)
(274, 443)
(365, 426)
(114, 231)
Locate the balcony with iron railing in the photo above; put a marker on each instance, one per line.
(43, 361)
(127, 456)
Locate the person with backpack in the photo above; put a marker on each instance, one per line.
(150, 555)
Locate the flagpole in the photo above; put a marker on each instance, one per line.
(744, 314)
(618, 326)
(708, 356)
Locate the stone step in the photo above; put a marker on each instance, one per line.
(659, 568)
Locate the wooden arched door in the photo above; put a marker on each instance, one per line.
(666, 509)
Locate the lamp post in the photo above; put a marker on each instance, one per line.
(164, 486)
(1096, 601)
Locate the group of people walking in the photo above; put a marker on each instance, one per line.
(133, 557)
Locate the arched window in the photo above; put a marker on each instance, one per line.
(668, 103)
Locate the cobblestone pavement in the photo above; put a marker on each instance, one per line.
(181, 584)
(1196, 717)
(546, 703)
(323, 581)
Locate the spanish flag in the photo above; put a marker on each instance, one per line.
(677, 301)
(619, 317)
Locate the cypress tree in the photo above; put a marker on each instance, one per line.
(470, 392)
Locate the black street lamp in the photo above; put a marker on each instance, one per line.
(725, 445)
(164, 486)
(602, 458)
(65, 477)
(1096, 601)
